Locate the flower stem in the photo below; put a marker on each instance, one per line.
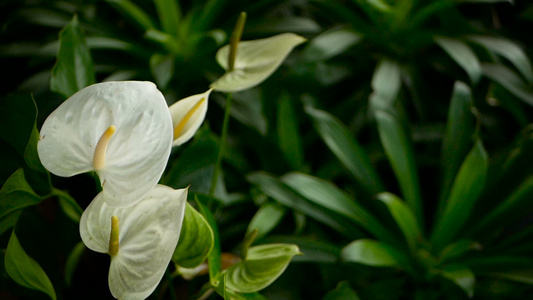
(221, 148)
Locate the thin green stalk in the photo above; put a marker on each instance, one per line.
(221, 148)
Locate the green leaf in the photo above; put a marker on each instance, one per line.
(459, 136)
(465, 190)
(329, 196)
(404, 217)
(255, 61)
(507, 49)
(343, 291)
(10, 220)
(162, 67)
(509, 80)
(373, 253)
(196, 240)
(69, 206)
(262, 266)
(346, 148)
(16, 193)
(330, 44)
(24, 270)
(266, 218)
(461, 276)
(399, 151)
(315, 250)
(386, 83)
(289, 137)
(169, 15)
(286, 196)
(517, 276)
(72, 262)
(463, 56)
(74, 68)
(214, 256)
(457, 249)
(133, 12)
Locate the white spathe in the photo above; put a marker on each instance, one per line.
(148, 234)
(188, 114)
(138, 150)
(255, 61)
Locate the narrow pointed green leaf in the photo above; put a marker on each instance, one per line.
(457, 249)
(262, 266)
(386, 83)
(466, 189)
(509, 80)
(399, 151)
(459, 135)
(404, 217)
(74, 67)
(280, 192)
(461, 276)
(288, 134)
(329, 196)
(343, 291)
(24, 270)
(169, 15)
(463, 56)
(72, 262)
(517, 276)
(133, 12)
(373, 253)
(330, 44)
(507, 49)
(341, 142)
(196, 240)
(266, 218)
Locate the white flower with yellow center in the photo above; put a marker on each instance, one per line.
(140, 239)
(188, 115)
(121, 130)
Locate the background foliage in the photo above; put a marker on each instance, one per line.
(392, 147)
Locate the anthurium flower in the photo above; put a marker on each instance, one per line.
(140, 238)
(121, 130)
(187, 116)
(254, 61)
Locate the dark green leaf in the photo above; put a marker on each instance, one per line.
(399, 151)
(509, 80)
(457, 249)
(343, 291)
(213, 258)
(16, 193)
(461, 276)
(262, 266)
(196, 240)
(135, 13)
(17, 120)
(459, 136)
(72, 261)
(373, 253)
(69, 206)
(465, 190)
(341, 142)
(162, 67)
(315, 250)
(169, 15)
(329, 196)
(74, 68)
(518, 276)
(24, 270)
(288, 134)
(404, 217)
(266, 218)
(463, 56)
(286, 196)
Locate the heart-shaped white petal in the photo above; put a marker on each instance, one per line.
(137, 152)
(255, 61)
(148, 234)
(187, 116)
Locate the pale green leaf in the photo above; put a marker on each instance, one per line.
(330, 44)
(262, 266)
(463, 56)
(266, 218)
(162, 67)
(509, 80)
(74, 68)
(372, 253)
(386, 83)
(196, 240)
(24, 270)
(255, 61)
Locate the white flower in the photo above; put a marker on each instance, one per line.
(187, 116)
(121, 130)
(142, 240)
(255, 61)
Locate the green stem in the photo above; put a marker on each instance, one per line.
(221, 148)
